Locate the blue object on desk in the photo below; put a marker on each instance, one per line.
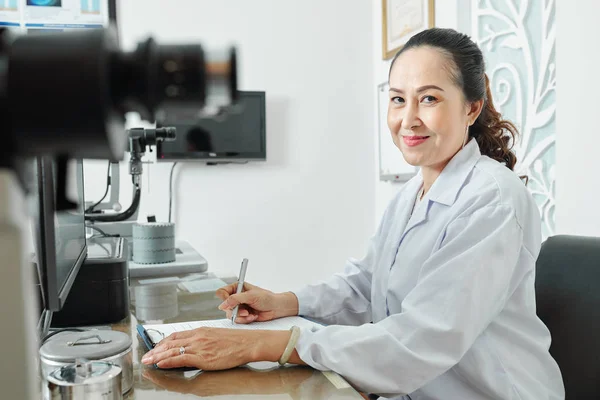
(144, 335)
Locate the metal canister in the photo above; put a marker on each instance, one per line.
(112, 347)
(84, 380)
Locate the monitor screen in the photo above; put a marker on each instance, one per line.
(238, 136)
(28, 16)
(61, 235)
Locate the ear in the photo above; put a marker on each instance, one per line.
(473, 111)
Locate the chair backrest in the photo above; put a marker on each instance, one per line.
(568, 301)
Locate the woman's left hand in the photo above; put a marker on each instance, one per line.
(216, 348)
(205, 348)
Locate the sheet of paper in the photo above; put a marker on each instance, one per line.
(203, 285)
(157, 332)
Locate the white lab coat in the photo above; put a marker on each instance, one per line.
(443, 304)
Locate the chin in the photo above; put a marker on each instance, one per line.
(416, 160)
(412, 156)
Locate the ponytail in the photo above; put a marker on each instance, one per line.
(494, 135)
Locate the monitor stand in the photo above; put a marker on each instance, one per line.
(187, 261)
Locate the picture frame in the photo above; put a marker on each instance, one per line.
(402, 19)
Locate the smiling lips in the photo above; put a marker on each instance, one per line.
(412, 141)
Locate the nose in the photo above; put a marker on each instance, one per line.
(410, 119)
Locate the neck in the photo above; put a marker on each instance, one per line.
(430, 174)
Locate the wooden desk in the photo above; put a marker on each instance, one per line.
(293, 382)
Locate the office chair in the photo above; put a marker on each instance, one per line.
(568, 301)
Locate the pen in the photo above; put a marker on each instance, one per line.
(240, 286)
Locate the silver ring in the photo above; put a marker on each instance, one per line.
(181, 350)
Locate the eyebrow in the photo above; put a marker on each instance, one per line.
(419, 89)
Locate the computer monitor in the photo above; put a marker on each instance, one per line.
(237, 137)
(38, 16)
(61, 242)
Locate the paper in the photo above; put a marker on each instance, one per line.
(160, 331)
(203, 285)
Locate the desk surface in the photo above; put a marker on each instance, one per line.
(293, 382)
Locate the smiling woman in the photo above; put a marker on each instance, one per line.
(432, 109)
(442, 306)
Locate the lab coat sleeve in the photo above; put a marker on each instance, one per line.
(345, 298)
(461, 287)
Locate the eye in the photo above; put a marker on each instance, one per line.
(397, 100)
(428, 99)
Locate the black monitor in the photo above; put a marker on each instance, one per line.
(238, 136)
(61, 242)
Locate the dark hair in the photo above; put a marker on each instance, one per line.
(494, 135)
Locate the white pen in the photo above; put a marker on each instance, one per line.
(240, 287)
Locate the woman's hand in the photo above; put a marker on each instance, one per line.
(217, 348)
(256, 304)
(205, 348)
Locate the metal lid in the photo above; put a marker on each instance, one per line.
(91, 345)
(85, 373)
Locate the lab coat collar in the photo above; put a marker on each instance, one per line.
(446, 187)
(444, 190)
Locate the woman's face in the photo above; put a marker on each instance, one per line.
(427, 113)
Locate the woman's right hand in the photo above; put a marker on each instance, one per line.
(256, 304)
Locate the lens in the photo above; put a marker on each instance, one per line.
(168, 133)
(179, 81)
(221, 80)
(53, 110)
(178, 75)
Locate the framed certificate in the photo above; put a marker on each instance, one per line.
(401, 19)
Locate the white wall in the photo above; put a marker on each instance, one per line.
(299, 215)
(578, 136)
(446, 16)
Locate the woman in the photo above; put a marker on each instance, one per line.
(443, 304)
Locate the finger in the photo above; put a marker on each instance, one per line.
(184, 360)
(173, 344)
(226, 291)
(165, 343)
(243, 312)
(247, 319)
(180, 335)
(238, 299)
(242, 309)
(159, 356)
(229, 314)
